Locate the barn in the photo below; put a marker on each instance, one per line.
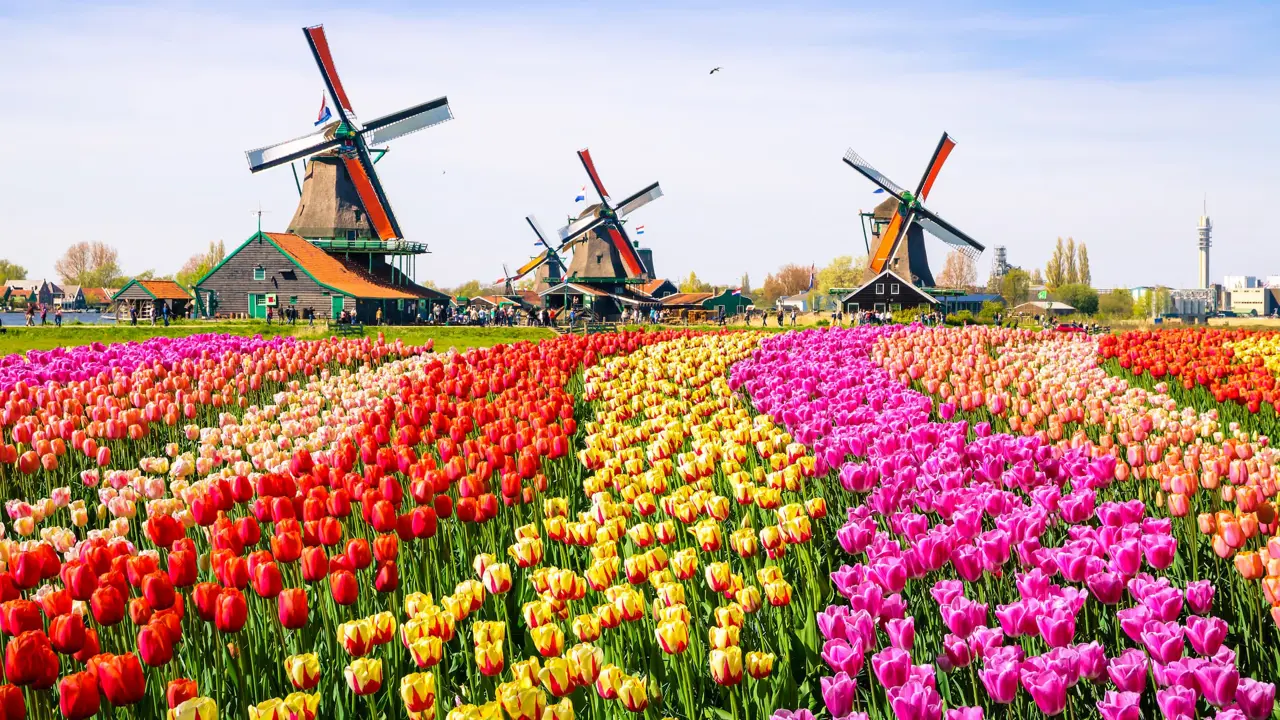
(886, 292)
(149, 297)
(279, 270)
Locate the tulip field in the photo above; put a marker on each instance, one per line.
(876, 522)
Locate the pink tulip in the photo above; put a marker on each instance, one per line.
(1206, 634)
(1218, 682)
(843, 656)
(1163, 641)
(1159, 550)
(891, 666)
(1048, 689)
(1000, 680)
(1256, 699)
(965, 713)
(1165, 604)
(1091, 660)
(1107, 587)
(1057, 627)
(1200, 596)
(837, 693)
(1176, 702)
(956, 651)
(915, 701)
(1133, 620)
(1129, 671)
(945, 591)
(902, 633)
(1120, 706)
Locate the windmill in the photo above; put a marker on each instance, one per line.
(909, 216)
(333, 211)
(601, 225)
(549, 256)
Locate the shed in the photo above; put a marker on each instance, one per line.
(659, 288)
(149, 298)
(972, 302)
(886, 292)
(729, 302)
(1044, 307)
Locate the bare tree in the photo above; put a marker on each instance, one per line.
(91, 264)
(959, 272)
(1055, 273)
(1082, 265)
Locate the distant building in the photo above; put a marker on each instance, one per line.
(1253, 301)
(1240, 282)
(72, 298)
(1203, 233)
(1196, 303)
(972, 302)
(1044, 307)
(1271, 281)
(660, 287)
(149, 298)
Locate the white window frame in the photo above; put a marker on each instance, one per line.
(893, 289)
(259, 271)
(879, 288)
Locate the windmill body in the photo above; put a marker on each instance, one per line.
(899, 222)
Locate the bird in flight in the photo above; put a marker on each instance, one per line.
(714, 70)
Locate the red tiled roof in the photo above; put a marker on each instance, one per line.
(329, 271)
(97, 295)
(165, 289)
(652, 286)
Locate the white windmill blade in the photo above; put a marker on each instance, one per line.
(290, 150)
(409, 120)
(639, 200)
(856, 161)
(948, 233)
(537, 230)
(579, 227)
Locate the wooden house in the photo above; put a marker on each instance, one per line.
(149, 297)
(278, 270)
(886, 292)
(72, 298)
(659, 288)
(96, 298)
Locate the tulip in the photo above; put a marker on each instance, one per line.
(78, 696)
(1120, 706)
(155, 645)
(342, 585)
(726, 665)
(364, 676)
(179, 691)
(67, 633)
(837, 693)
(760, 664)
(12, 703)
(1048, 689)
(1176, 702)
(673, 637)
(303, 670)
(302, 706)
(556, 675)
(272, 709)
(1217, 682)
(633, 694)
(418, 691)
(1255, 699)
(230, 611)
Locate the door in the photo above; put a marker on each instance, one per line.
(257, 306)
(337, 307)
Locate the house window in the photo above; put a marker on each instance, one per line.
(879, 288)
(895, 307)
(288, 275)
(853, 307)
(293, 299)
(259, 273)
(351, 234)
(599, 258)
(893, 289)
(879, 307)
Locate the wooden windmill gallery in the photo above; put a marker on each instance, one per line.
(343, 253)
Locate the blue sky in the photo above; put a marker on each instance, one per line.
(1105, 121)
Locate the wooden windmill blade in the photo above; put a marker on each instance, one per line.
(365, 178)
(948, 233)
(409, 120)
(324, 60)
(585, 156)
(626, 251)
(855, 161)
(571, 232)
(940, 155)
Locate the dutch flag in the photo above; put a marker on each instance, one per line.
(582, 194)
(639, 229)
(877, 191)
(737, 291)
(325, 114)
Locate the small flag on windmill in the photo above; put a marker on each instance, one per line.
(639, 229)
(582, 195)
(877, 191)
(325, 113)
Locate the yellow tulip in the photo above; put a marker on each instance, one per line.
(521, 701)
(726, 665)
(272, 709)
(302, 706)
(759, 664)
(633, 694)
(426, 651)
(415, 603)
(585, 661)
(548, 639)
(364, 676)
(303, 670)
(562, 710)
(197, 708)
(719, 638)
(586, 628)
(418, 691)
(673, 637)
(557, 676)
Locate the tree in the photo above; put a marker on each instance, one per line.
(1070, 274)
(1016, 287)
(11, 271)
(692, 284)
(91, 264)
(843, 272)
(1055, 272)
(1082, 266)
(1079, 296)
(744, 285)
(199, 265)
(1117, 303)
(959, 271)
(789, 280)
(469, 289)
(1037, 278)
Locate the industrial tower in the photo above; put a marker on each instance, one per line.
(1204, 231)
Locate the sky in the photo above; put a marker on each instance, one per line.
(1107, 122)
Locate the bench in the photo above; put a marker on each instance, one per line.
(347, 329)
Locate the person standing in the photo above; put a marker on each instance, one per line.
(44, 314)
(164, 313)
(57, 316)
(377, 317)
(270, 314)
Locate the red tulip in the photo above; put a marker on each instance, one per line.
(19, 616)
(386, 548)
(140, 611)
(29, 660)
(182, 568)
(388, 578)
(286, 547)
(444, 506)
(139, 567)
(66, 633)
(292, 608)
(154, 645)
(205, 595)
(467, 509)
(358, 553)
(80, 580)
(248, 531)
(12, 704)
(121, 679)
(267, 580)
(158, 590)
(107, 605)
(26, 568)
(424, 522)
(78, 696)
(179, 691)
(343, 586)
(231, 611)
(315, 564)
